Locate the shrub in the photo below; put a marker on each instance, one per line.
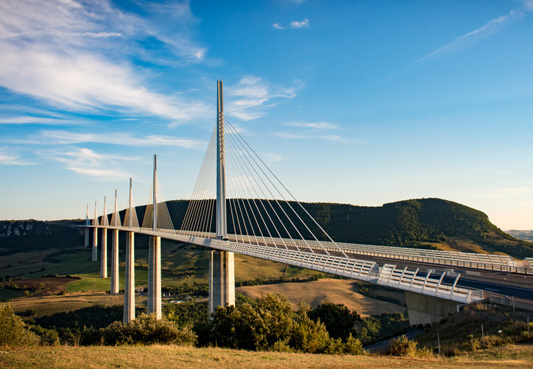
(13, 331)
(48, 337)
(147, 329)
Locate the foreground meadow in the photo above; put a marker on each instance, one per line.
(511, 356)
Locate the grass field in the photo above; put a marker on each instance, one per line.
(512, 356)
(49, 305)
(338, 291)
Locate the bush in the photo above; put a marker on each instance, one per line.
(402, 346)
(147, 329)
(13, 331)
(48, 337)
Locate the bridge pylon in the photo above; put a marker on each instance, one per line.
(154, 258)
(129, 287)
(95, 236)
(87, 223)
(103, 246)
(114, 252)
(221, 263)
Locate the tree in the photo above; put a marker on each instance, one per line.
(338, 319)
(13, 331)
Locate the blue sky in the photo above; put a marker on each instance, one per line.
(360, 102)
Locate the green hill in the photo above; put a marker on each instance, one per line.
(428, 223)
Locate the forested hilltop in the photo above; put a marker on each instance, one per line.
(427, 223)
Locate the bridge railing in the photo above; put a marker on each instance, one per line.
(404, 279)
(503, 263)
(492, 262)
(409, 280)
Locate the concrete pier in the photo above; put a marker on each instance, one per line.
(114, 263)
(221, 279)
(95, 244)
(425, 310)
(154, 276)
(86, 243)
(103, 254)
(129, 289)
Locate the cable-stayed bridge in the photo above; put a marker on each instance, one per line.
(238, 205)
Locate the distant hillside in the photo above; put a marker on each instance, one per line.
(35, 235)
(430, 223)
(522, 235)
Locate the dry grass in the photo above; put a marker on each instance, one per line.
(49, 305)
(338, 291)
(187, 357)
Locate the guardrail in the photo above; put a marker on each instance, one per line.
(503, 263)
(364, 270)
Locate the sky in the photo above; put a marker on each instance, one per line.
(359, 102)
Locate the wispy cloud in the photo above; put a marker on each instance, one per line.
(89, 163)
(335, 138)
(300, 24)
(52, 50)
(293, 25)
(272, 158)
(251, 95)
(112, 138)
(7, 158)
(491, 27)
(316, 125)
(36, 120)
(290, 136)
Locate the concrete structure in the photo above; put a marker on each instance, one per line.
(114, 263)
(154, 258)
(154, 276)
(221, 263)
(103, 245)
(103, 254)
(425, 310)
(129, 287)
(115, 253)
(95, 236)
(221, 279)
(86, 243)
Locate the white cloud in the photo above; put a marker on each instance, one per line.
(300, 24)
(317, 125)
(35, 120)
(252, 93)
(51, 50)
(290, 136)
(87, 162)
(294, 24)
(116, 138)
(272, 158)
(491, 27)
(11, 158)
(112, 138)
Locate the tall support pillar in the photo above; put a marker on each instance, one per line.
(221, 279)
(154, 258)
(114, 263)
(221, 263)
(86, 244)
(103, 246)
(129, 289)
(114, 253)
(95, 236)
(103, 254)
(154, 276)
